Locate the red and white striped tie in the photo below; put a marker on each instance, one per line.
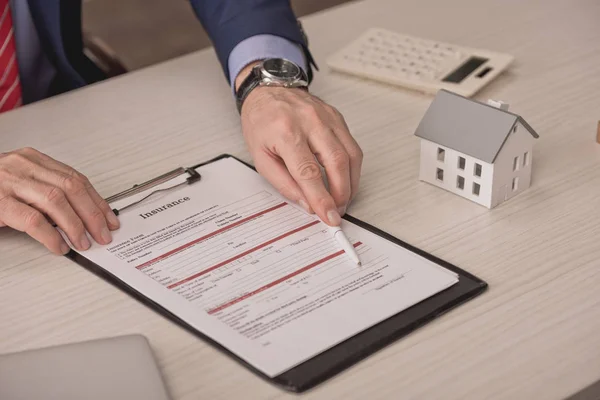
(10, 86)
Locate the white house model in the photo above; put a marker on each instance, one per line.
(479, 151)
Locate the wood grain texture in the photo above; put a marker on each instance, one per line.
(534, 334)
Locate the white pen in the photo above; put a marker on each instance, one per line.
(348, 248)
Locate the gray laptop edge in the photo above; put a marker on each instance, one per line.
(119, 368)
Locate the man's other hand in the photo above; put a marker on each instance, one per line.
(35, 188)
(290, 132)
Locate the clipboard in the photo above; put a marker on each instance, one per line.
(334, 360)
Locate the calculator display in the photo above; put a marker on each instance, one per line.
(465, 69)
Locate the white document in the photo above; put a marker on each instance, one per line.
(257, 274)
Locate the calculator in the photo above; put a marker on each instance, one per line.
(419, 64)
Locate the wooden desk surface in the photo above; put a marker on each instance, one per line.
(534, 334)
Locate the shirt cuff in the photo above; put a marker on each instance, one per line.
(260, 47)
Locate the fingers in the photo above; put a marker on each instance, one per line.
(26, 219)
(53, 202)
(58, 191)
(111, 219)
(305, 170)
(305, 133)
(353, 150)
(78, 197)
(274, 170)
(333, 157)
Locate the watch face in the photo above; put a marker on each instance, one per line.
(281, 69)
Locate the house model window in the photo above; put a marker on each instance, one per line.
(461, 163)
(483, 137)
(440, 174)
(441, 154)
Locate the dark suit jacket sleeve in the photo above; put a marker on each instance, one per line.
(228, 22)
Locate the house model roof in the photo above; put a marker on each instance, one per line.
(468, 126)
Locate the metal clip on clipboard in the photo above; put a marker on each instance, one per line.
(193, 177)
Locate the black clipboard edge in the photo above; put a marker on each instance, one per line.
(362, 345)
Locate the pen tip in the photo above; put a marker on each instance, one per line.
(359, 264)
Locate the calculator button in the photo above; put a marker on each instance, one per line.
(402, 56)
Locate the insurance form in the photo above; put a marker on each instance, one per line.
(237, 261)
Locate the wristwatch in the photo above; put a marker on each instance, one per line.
(271, 72)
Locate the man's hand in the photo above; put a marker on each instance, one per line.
(289, 133)
(34, 186)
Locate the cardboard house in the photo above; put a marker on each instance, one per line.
(480, 151)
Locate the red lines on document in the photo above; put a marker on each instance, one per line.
(278, 281)
(238, 256)
(208, 236)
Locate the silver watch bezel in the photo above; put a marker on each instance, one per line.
(268, 79)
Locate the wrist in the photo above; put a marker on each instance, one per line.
(271, 72)
(244, 73)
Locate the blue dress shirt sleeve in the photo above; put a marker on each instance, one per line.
(260, 47)
(230, 22)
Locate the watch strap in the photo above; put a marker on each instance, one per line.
(250, 83)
